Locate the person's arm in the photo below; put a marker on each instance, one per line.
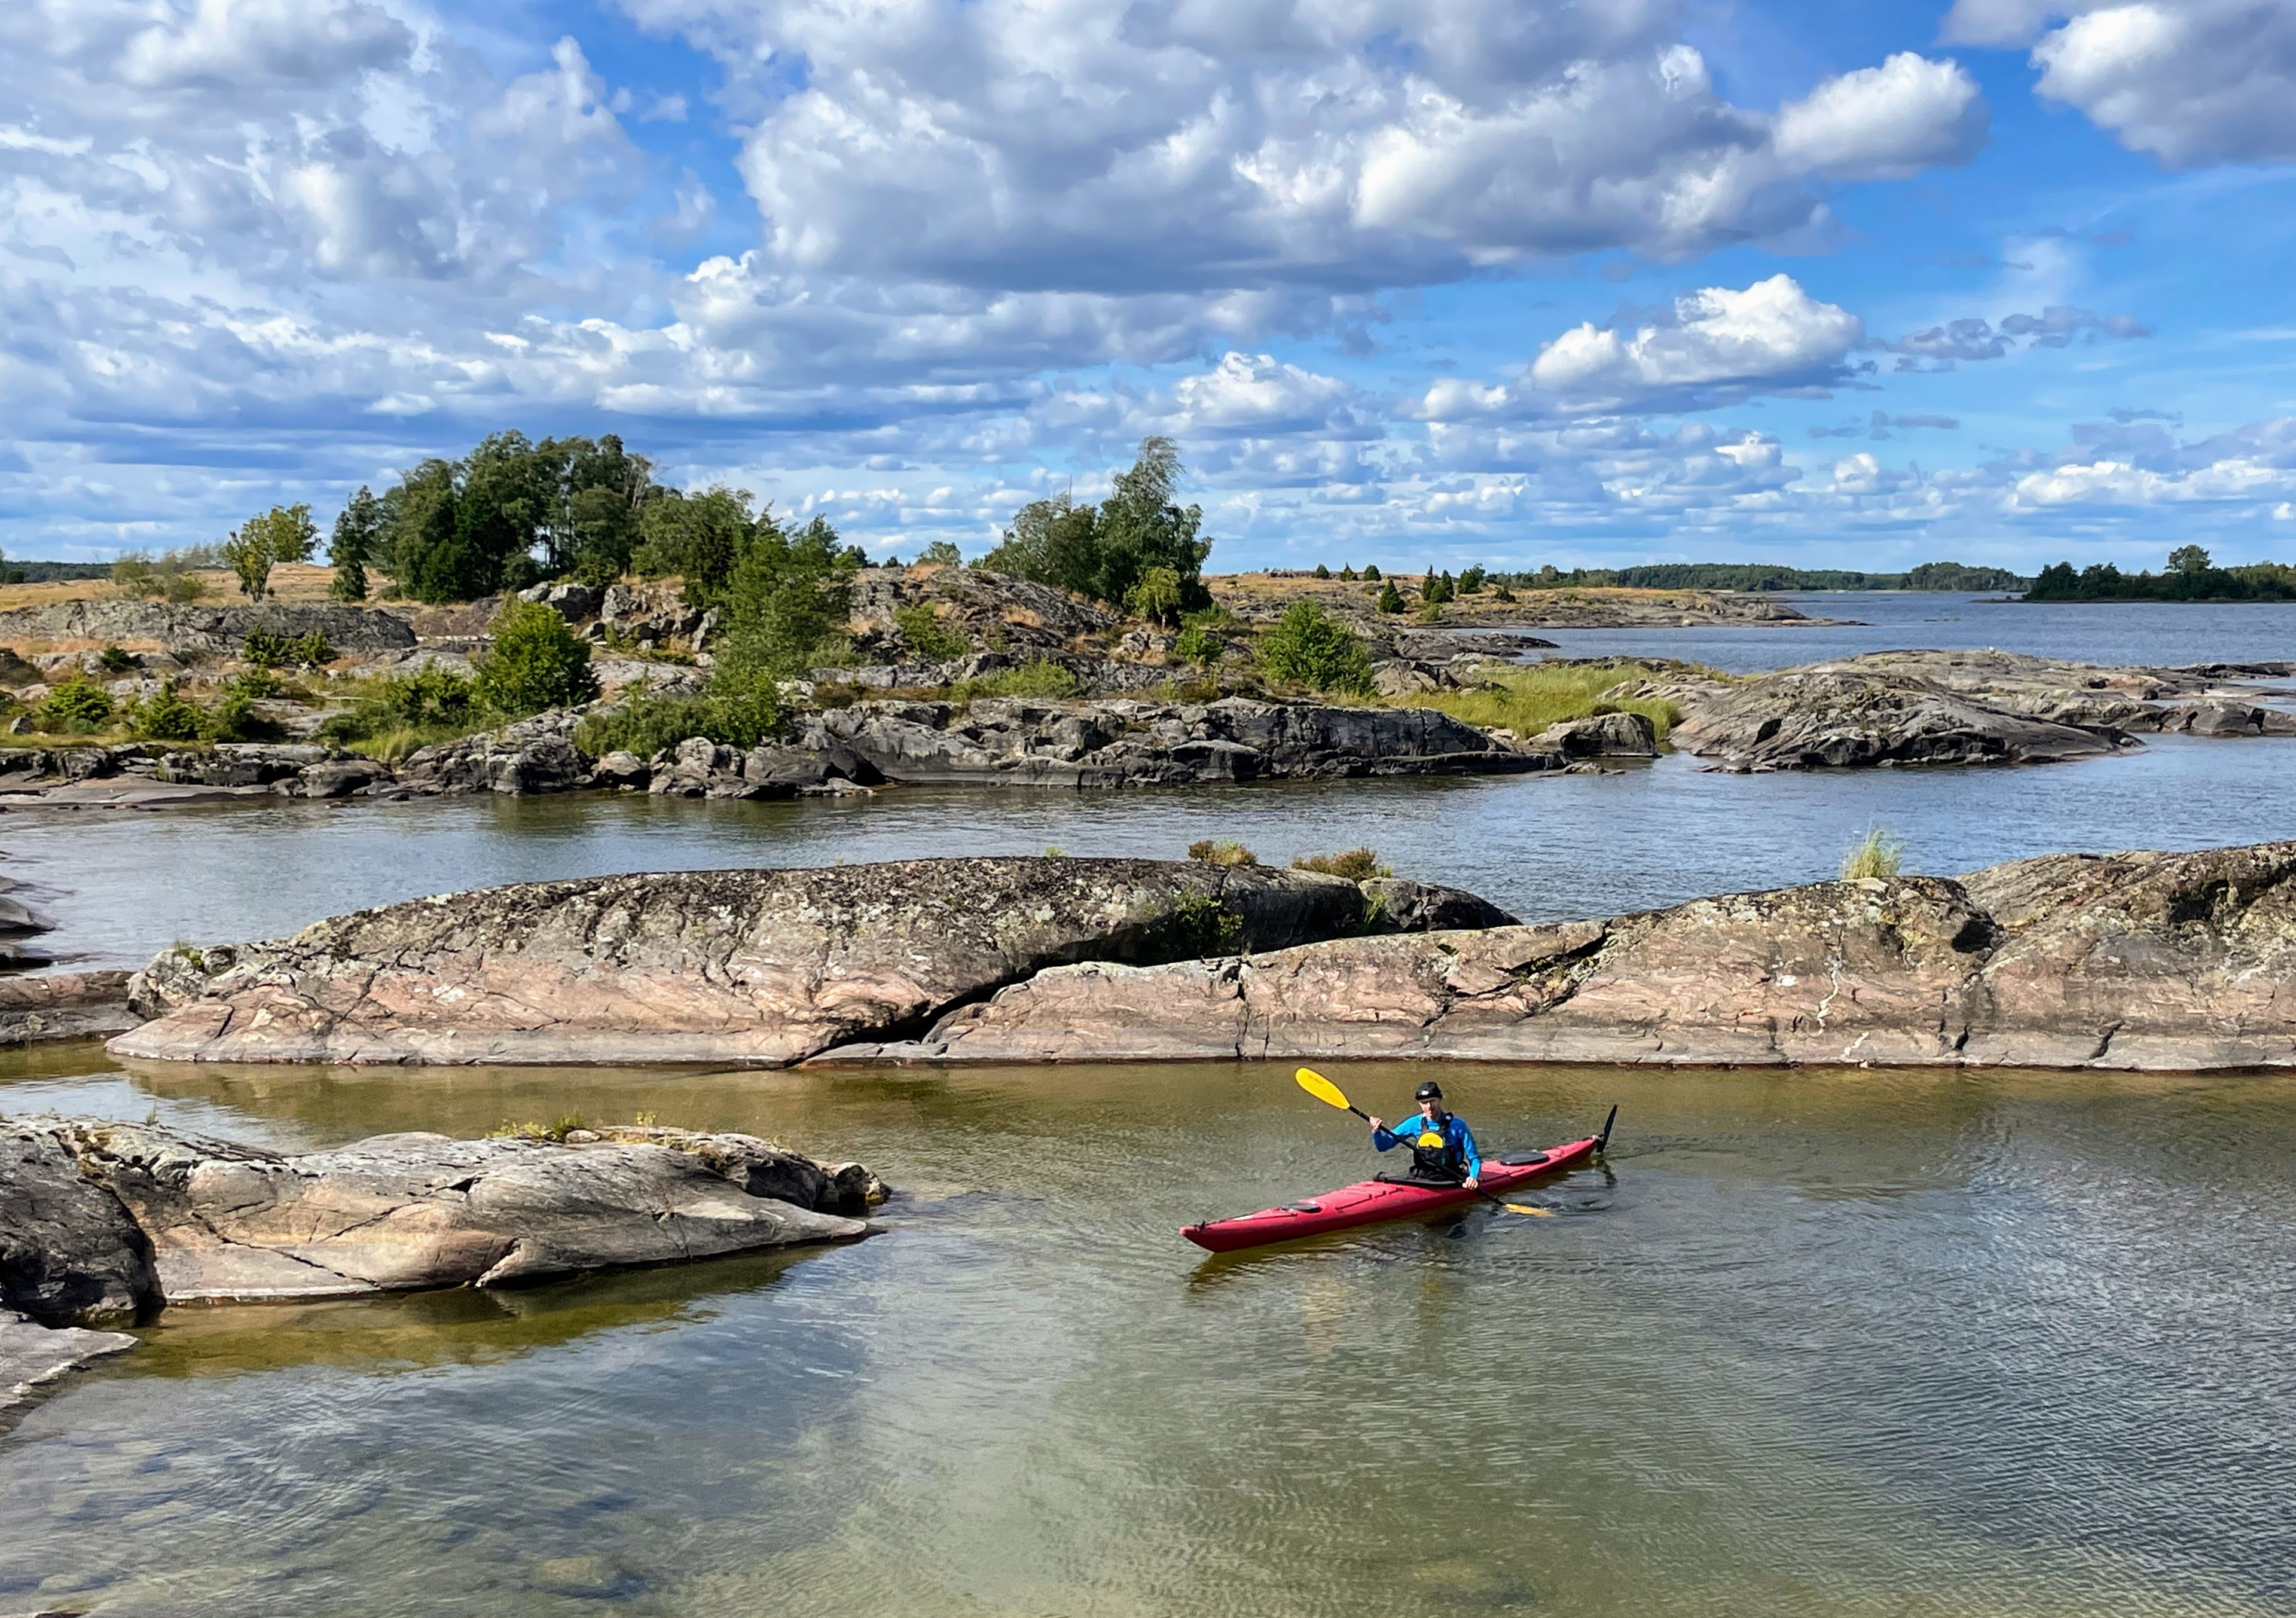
(1467, 1145)
(1384, 1139)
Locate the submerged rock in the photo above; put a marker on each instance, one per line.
(2156, 962)
(33, 1356)
(750, 965)
(63, 1005)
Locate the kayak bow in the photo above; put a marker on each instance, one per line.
(1372, 1202)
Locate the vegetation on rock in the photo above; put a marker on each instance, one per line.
(1879, 853)
(1357, 864)
(1222, 851)
(536, 662)
(1527, 700)
(1308, 647)
(1108, 550)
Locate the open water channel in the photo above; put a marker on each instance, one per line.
(1814, 1342)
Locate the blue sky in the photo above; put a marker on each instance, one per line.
(1410, 281)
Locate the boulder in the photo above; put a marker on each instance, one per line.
(1802, 720)
(534, 755)
(748, 965)
(1603, 735)
(335, 778)
(412, 1210)
(571, 600)
(1397, 904)
(69, 1250)
(2153, 962)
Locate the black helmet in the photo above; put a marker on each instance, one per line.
(1429, 1091)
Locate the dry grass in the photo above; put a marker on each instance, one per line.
(1879, 853)
(290, 581)
(1530, 698)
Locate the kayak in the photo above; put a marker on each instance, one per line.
(1372, 1201)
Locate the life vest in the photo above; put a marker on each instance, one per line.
(1434, 1154)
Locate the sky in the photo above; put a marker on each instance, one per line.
(1411, 281)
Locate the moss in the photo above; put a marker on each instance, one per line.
(1527, 700)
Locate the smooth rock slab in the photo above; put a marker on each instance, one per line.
(411, 1211)
(2178, 961)
(763, 966)
(1806, 719)
(34, 1356)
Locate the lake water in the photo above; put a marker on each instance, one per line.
(1921, 1345)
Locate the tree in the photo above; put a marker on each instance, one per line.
(943, 551)
(1157, 597)
(1370, 573)
(1103, 551)
(1348, 573)
(785, 602)
(535, 663)
(1390, 599)
(359, 530)
(284, 533)
(697, 537)
(1471, 579)
(1323, 571)
(1309, 647)
(2190, 559)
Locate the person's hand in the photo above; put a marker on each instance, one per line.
(1378, 1123)
(1474, 1182)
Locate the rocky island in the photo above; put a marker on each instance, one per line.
(2145, 961)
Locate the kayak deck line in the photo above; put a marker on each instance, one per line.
(1373, 1202)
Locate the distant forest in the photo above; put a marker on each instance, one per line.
(2191, 575)
(1760, 576)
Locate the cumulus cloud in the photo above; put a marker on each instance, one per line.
(1885, 122)
(1713, 345)
(2191, 81)
(1178, 144)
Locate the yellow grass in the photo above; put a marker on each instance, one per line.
(290, 581)
(1530, 699)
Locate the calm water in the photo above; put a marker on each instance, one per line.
(1897, 1344)
(2160, 634)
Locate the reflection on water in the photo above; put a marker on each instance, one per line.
(1845, 1344)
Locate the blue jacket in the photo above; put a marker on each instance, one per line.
(1452, 1128)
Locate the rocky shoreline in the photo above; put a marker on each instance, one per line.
(2168, 962)
(108, 1222)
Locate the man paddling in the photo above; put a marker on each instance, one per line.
(1442, 1147)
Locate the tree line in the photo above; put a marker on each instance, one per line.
(2191, 575)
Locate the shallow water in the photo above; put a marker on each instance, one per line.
(1903, 1344)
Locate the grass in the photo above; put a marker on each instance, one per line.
(1529, 699)
(1221, 851)
(1880, 853)
(1357, 864)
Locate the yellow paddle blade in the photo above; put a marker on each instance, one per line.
(1543, 1213)
(1322, 1089)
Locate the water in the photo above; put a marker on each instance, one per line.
(2158, 635)
(1891, 1344)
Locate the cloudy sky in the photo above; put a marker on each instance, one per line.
(1409, 280)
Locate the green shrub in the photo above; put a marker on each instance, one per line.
(1201, 925)
(1370, 573)
(1322, 571)
(1199, 645)
(166, 717)
(1309, 647)
(1879, 853)
(75, 706)
(1037, 679)
(536, 662)
(433, 702)
(1221, 851)
(1390, 599)
(269, 649)
(234, 720)
(118, 660)
(1527, 700)
(646, 724)
(921, 627)
(1158, 596)
(1357, 864)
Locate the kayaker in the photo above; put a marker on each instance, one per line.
(1442, 1147)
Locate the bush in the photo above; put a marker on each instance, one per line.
(646, 724)
(269, 649)
(256, 684)
(75, 706)
(166, 718)
(432, 702)
(117, 660)
(536, 662)
(1357, 864)
(1370, 573)
(1199, 645)
(1220, 851)
(1322, 572)
(234, 720)
(1390, 599)
(1879, 853)
(1308, 647)
(1157, 597)
(1201, 925)
(1039, 678)
(926, 635)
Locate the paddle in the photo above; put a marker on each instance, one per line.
(1324, 1090)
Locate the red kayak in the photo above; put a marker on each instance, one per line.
(1370, 1201)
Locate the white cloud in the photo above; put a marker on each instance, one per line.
(2191, 81)
(1886, 122)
